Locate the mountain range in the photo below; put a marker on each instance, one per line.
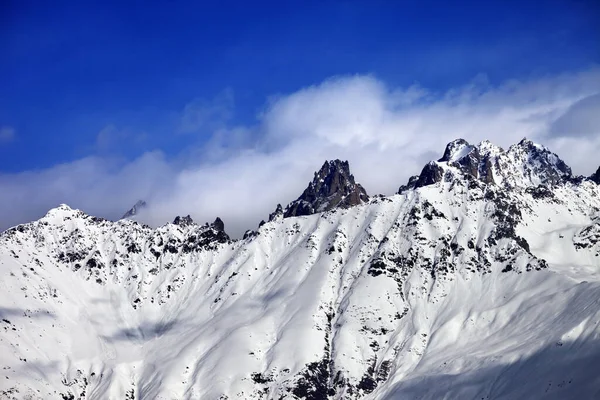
(479, 279)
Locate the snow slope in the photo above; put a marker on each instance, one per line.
(459, 289)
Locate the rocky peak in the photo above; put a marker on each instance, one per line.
(535, 165)
(470, 160)
(456, 150)
(183, 221)
(525, 164)
(276, 214)
(332, 186)
(596, 176)
(476, 162)
(219, 225)
(140, 205)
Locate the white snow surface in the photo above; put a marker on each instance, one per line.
(413, 296)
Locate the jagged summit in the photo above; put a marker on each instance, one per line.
(535, 164)
(455, 150)
(277, 213)
(183, 221)
(219, 225)
(524, 164)
(596, 176)
(140, 205)
(332, 186)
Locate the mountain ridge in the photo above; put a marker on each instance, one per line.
(383, 299)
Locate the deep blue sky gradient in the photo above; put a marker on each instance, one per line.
(69, 69)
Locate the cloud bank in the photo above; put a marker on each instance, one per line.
(386, 133)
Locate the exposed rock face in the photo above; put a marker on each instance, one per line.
(596, 176)
(219, 225)
(537, 164)
(140, 205)
(524, 164)
(183, 221)
(276, 214)
(333, 186)
(474, 161)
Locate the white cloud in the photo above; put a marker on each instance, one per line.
(111, 139)
(7, 134)
(202, 114)
(386, 133)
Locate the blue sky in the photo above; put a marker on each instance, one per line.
(192, 106)
(72, 69)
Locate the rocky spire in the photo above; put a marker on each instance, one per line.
(277, 213)
(140, 205)
(332, 186)
(596, 176)
(219, 225)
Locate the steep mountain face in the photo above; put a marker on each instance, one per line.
(333, 186)
(133, 211)
(482, 283)
(596, 176)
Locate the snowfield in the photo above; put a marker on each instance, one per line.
(459, 289)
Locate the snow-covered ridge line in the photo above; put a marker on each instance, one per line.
(461, 288)
(523, 166)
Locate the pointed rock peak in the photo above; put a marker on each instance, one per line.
(431, 173)
(529, 147)
(219, 225)
(596, 176)
(276, 214)
(529, 144)
(455, 150)
(538, 165)
(331, 166)
(140, 205)
(332, 186)
(183, 221)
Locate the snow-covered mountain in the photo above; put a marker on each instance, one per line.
(479, 280)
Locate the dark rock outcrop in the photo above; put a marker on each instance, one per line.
(412, 183)
(140, 205)
(183, 221)
(596, 176)
(431, 173)
(468, 159)
(333, 186)
(277, 213)
(219, 225)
